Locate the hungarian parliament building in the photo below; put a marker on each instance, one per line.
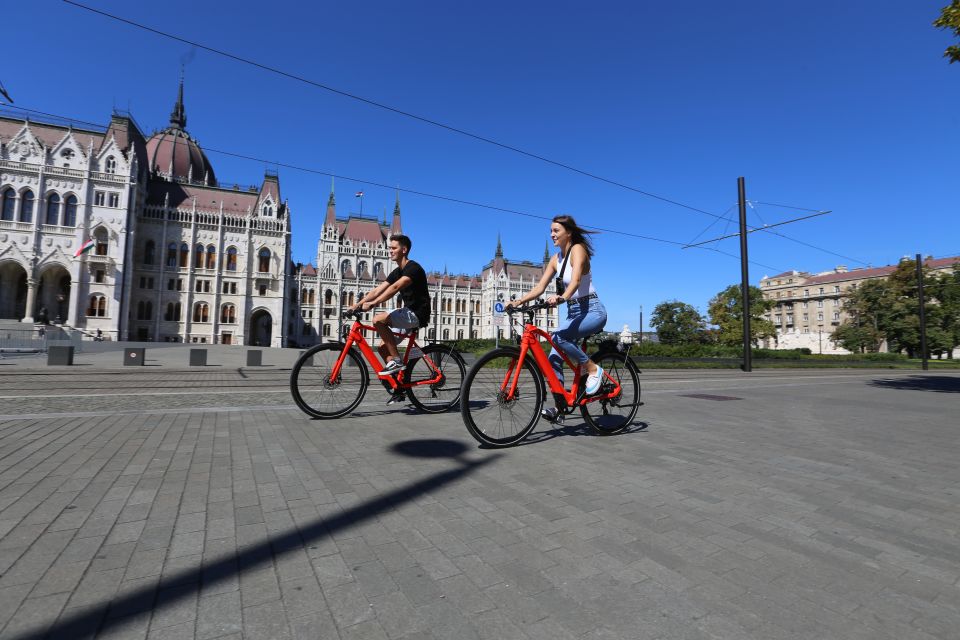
(107, 232)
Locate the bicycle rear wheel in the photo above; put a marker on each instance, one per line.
(610, 416)
(492, 418)
(441, 395)
(320, 396)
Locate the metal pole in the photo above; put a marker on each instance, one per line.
(640, 341)
(923, 314)
(744, 275)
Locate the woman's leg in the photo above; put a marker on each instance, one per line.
(582, 320)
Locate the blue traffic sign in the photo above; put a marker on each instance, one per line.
(498, 307)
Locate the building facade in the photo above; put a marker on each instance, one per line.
(352, 258)
(810, 306)
(176, 256)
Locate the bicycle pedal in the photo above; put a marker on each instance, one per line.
(397, 398)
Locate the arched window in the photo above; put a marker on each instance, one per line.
(232, 259)
(100, 235)
(198, 257)
(361, 267)
(9, 208)
(70, 212)
(97, 307)
(446, 334)
(53, 209)
(173, 312)
(172, 254)
(228, 314)
(268, 210)
(343, 298)
(26, 206)
(184, 255)
(263, 262)
(313, 296)
(303, 295)
(145, 310)
(326, 330)
(344, 267)
(149, 252)
(328, 297)
(201, 312)
(111, 164)
(460, 334)
(211, 257)
(377, 269)
(350, 299)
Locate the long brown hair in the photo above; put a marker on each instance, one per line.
(578, 235)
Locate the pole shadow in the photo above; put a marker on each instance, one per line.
(938, 384)
(99, 619)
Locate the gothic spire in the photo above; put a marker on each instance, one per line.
(546, 252)
(396, 228)
(331, 218)
(499, 253)
(178, 117)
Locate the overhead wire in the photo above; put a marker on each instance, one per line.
(380, 105)
(425, 194)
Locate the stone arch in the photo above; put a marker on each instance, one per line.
(13, 290)
(53, 294)
(260, 330)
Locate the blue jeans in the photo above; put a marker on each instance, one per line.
(583, 319)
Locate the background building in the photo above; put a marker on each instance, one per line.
(809, 307)
(176, 256)
(353, 258)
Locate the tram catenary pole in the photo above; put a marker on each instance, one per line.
(744, 274)
(923, 314)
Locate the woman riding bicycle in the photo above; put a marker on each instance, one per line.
(586, 315)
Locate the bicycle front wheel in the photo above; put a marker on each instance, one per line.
(491, 415)
(320, 394)
(609, 416)
(444, 394)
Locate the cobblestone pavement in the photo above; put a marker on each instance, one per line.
(202, 504)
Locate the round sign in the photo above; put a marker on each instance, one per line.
(498, 307)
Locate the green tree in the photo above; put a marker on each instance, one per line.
(726, 312)
(890, 309)
(678, 323)
(950, 19)
(944, 289)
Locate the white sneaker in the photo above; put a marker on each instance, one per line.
(392, 367)
(593, 381)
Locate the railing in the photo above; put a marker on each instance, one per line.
(62, 171)
(38, 339)
(16, 226)
(109, 177)
(97, 259)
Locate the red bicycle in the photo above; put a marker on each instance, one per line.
(330, 380)
(504, 391)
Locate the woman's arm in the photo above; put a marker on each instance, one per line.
(541, 286)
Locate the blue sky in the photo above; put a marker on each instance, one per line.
(847, 106)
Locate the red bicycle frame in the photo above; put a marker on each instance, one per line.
(355, 337)
(530, 344)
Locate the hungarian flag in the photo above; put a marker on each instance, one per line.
(86, 246)
(359, 194)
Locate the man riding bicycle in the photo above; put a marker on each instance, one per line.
(410, 280)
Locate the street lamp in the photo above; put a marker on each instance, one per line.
(60, 299)
(820, 338)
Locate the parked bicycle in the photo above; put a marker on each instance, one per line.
(331, 379)
(504, 391)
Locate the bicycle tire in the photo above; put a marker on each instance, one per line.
(611, 416)
(444, 395)
(483, 407)
(310, 386)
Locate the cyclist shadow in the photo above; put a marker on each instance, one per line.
(577, 430)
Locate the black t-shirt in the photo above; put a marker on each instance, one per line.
(416, 296)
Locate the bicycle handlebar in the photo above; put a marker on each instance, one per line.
(529, 308)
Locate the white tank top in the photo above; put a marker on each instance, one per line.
(586, 280)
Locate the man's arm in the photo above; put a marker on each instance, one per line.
(383, 293)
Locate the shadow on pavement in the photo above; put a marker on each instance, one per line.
(575, 430)
(98, 619)
(942, 384)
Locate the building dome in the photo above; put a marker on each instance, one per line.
(174, 154)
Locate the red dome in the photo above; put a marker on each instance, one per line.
(173, 153)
